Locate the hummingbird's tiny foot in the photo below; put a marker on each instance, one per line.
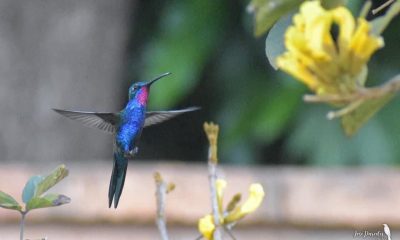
(132, 153)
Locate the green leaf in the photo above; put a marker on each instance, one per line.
(267, 12)
(49, 181)
(275, 42)
(354, 120)
(30, 188)
(329, 4)
(6, 201)
(49, 200)
(380, 23)
(365, 9)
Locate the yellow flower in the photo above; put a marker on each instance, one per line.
(220, 185)
(206, 224)
(255, 199)
(327, 65)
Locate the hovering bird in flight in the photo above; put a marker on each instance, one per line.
(126, 126)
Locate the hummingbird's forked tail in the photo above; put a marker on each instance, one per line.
(117, 179)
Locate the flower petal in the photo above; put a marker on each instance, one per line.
(255, 199)
(220, 185)
(363, 45)
(206, 227)
(343, 18)
(327, 65)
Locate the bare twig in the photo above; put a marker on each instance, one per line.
(212, 171)
(212, 130)
(227, 230)
(22, 224)
(162, 188)
(365, 9)
(199, 237)
(343, 111)
(362, 93)
(381, 7)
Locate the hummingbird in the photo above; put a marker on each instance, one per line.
(126, 126)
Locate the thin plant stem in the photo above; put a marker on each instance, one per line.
(349, 108)
(381, 7)
(391, 86)
(212, 170)
(384, 21)
(365, 9)
(212, 130)
(229, 233)
(22, 224)
(161, 192)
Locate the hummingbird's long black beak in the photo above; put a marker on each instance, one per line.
(157, 78)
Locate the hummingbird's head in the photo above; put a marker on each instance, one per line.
(140, 90)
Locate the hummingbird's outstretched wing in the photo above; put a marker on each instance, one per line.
(156, 117)
(103, 121)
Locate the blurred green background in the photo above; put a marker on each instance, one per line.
(218, 64)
